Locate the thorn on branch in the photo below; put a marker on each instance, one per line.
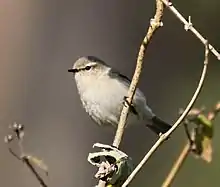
(189, 24)
(169, 3)
(155, 23)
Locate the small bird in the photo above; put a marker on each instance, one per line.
(102, 91)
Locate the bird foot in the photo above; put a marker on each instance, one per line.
(126, 102)
(130, 105)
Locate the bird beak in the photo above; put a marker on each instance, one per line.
(72, 70)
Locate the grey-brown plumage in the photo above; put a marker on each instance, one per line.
(102, 90)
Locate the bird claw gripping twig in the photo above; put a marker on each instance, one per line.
(131, 106)
(114, 165)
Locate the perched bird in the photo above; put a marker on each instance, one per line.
(102, 91)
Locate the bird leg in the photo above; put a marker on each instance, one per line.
(131, 106)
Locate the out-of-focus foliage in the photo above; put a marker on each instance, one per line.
(202, 138)
(202, 132)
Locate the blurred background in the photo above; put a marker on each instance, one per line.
(41, 39)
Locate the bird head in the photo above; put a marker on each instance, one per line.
(88, 66)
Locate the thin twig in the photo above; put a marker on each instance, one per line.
(27, 162)
(185, 152)
(188, 135)
(177, 165)
(180, 160)
(14, 154)
(30, 166)
(154, 25)
(189, 26)
(18, 129)
(163, 137)
(33, 170)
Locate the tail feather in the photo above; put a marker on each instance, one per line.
(158, 126)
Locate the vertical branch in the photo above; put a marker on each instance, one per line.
(154, 25)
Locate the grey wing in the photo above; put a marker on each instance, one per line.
(116, 74)
(113, 73)
(139, 105)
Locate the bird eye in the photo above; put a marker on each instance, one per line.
(87, 68)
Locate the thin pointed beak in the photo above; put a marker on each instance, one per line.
(72, 70)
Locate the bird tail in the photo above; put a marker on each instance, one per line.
(158, 126)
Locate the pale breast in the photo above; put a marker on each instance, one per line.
(103, 100)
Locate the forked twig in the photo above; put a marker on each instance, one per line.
(18, 131)
(33, 170)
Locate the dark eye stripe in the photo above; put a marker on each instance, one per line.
(73, 70)
(87, 67)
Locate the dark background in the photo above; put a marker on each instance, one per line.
(41, 39)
